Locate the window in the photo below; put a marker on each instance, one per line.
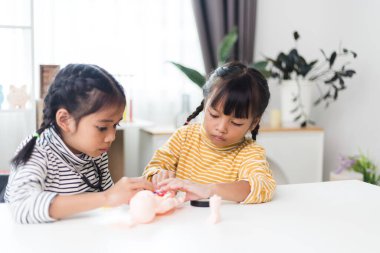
(16, 69)
(131, 39)
(16, 59)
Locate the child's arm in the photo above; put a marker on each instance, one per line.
(120, 193)
(235, 191)
(254, 184)
(165, 159)
(255, 170)
(31, 204)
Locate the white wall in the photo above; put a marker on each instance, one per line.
(351, 123)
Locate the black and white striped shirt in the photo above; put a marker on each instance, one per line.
(52, 169)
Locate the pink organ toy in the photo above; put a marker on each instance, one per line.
(144, 206)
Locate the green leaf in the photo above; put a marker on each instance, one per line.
(262, 67)
(296, 35)
(294, 109)
(349, 73)
(226, 46)
(259, 65)
(297, 118)
(316, 102)
(324, 54)
(327, 95)
(332, 79)
(192, 74)
(332, 58)
(335, 96)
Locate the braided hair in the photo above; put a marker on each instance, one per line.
(243, 90)
(81, 89)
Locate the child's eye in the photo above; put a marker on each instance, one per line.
(213, 115)
(101, 129)
(236, 124)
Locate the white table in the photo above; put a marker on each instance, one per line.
(341, 216)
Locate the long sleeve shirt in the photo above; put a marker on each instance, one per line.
(52, 169)
(192, 156)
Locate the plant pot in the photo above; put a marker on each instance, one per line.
(296, 102)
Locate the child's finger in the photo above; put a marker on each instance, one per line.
(162, 175)
(141, 183)
(173, 185)
(165, 182)
(154, 180)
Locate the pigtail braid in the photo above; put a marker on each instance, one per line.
(255, 131)
(24, 154)
(195, 113)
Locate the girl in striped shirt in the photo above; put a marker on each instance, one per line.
(216, 157)
(63, 168)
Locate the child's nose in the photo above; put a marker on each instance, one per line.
(111, 135)
(222, 126)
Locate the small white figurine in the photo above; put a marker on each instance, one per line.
(144, 206)
(215, 202)
(17, 97)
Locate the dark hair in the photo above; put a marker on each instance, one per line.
(243, 90)
(81, 89)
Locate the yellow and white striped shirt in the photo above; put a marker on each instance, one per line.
(193, 157)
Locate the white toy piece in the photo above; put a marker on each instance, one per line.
(17, 97)
(144, 206)
(215, 202)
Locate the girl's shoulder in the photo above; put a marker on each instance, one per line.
(250, 146)
(187, 131)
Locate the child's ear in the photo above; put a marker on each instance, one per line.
(65, 121)
(254, 123)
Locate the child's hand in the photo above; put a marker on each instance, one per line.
(125, 189)
(193, 190)
(162, 175)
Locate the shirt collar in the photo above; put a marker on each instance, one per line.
(51, 135)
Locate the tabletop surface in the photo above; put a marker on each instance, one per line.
(340, 216)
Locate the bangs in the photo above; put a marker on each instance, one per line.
(236, 96)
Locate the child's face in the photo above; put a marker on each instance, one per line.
(224, 130)
(95, 132)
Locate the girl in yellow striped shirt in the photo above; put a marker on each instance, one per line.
(216, 157)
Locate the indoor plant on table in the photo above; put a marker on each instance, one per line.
(297, 77)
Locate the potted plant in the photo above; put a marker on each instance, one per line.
(357, 164)
(224, 52)
(297, 76)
